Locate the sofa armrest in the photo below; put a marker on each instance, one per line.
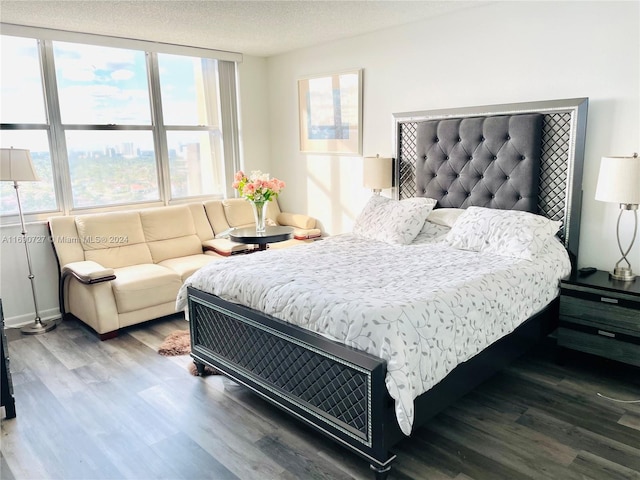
(88, 272)
(224, 246)
(304, 226)
(306, 233)
(297, 220)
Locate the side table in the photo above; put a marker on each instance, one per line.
(270, 235)
(601, 316)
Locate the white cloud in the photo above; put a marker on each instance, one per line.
(122, 74)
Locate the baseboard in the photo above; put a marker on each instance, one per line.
(27, 318)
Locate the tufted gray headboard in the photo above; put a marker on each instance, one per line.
(484, 161)
(524, 156)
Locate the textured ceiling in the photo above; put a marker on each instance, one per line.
(261, 28)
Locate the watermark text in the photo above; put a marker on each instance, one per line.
(86, 240)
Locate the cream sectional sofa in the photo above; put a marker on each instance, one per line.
(123, 268)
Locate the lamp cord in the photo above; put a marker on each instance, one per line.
(617, 400)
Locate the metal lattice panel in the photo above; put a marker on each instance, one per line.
(408, 138)
(556, 135)
(322, 382)
(554, 168)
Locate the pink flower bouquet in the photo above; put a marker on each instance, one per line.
(258, 187)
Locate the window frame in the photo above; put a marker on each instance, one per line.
(55, 129)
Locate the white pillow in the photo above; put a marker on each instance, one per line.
(393, 221)
(509, 233)
(445, 216)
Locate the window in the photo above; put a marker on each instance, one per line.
(101, 85)
(34, 196)
(191, 112)
(22, 102)
(113, 122)
(111, 167)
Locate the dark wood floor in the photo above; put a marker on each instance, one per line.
(116, 409)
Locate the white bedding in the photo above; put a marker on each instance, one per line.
(423, 307)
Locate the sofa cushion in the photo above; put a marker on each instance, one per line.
(170, 232)
(297, 220)
(167, 222)
(238, 212)
(113, 240)
(204, 230)
(64, 235)
(141, 286)
(108, 230)
(175, 247)
(186, 266)
(118, 257)
(215, 215)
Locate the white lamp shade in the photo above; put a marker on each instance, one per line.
(16, 165)
(619, 180)
(377, 173)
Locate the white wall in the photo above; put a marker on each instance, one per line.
(15, 288)
(254, 115)
(499, 53)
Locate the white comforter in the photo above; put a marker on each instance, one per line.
(424, 307)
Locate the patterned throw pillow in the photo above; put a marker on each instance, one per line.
(509, 233)
(393, 221)
(445, 216)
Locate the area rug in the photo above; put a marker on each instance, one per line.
(179, 343)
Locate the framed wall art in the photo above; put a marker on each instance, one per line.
(330, 109)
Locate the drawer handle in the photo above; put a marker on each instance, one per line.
(608, 300)
(606, 334)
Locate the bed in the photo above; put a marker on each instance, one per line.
(517, 157)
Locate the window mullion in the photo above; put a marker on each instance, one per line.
(229, 119)
(58, 144)
(159, 130)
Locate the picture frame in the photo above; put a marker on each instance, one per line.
(330, 113)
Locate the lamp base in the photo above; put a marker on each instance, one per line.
(38, 327)
(623, 274)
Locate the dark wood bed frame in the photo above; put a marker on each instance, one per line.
(340, 391)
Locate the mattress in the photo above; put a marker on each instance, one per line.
(424, 307)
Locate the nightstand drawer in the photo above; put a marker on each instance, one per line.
(600, 314)
(599, 344)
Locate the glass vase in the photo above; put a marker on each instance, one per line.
(260, 215)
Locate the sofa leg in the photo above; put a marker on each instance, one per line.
(108, 335)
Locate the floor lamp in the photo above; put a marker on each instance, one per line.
(15, 166)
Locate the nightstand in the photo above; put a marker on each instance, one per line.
(601, 316)
(6, 385)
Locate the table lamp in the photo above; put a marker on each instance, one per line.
(619, 182)
(377, 173)
(15, 166)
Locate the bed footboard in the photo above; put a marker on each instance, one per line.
(338, 390)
